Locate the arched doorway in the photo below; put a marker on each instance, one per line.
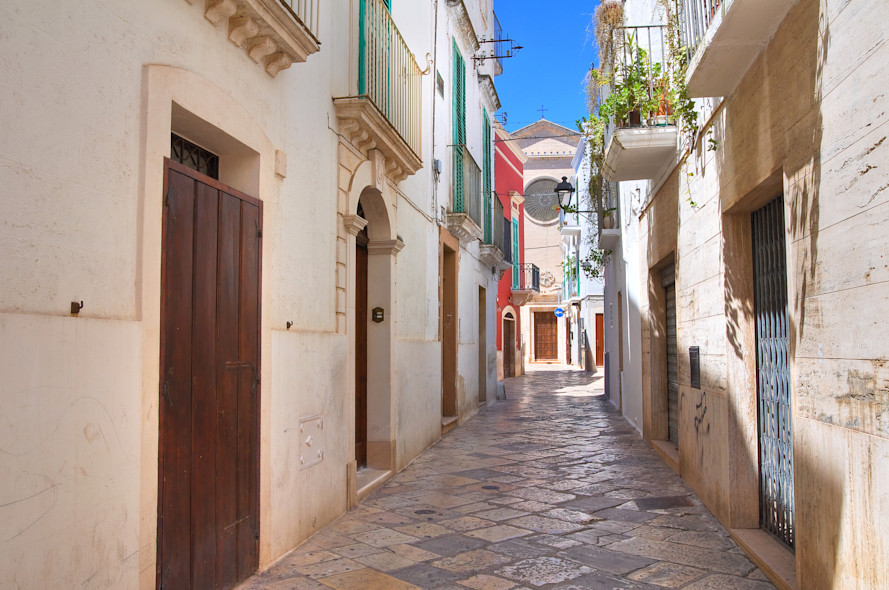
(371, 301)
(509, 347)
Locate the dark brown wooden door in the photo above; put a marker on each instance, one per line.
(208, 526)
(600, 340)
(361, 349)
(546, 329)
(508, 348)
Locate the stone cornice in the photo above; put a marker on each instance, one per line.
(391, 247)
(489, 254)
(521, 296)
(486, 83)
(464, 24)
(354, 224)
(365, 127)
(463, 228)
(265, 30)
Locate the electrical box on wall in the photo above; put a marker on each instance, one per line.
(694, 361)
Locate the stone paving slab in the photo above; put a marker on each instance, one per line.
(550, 488)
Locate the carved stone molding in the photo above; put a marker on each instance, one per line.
(463, 228)
(265, 30)
(486, 83)
(354, 224)
(365, 127)
(521, 296)
(464, 24)
(391, 247)
(489, 254)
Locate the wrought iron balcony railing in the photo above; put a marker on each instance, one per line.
(388, 74)
(641, 59)
(696, 16)
(466, 187)
(306, 12)
(527, 278)
(498, 228)
(500, 46)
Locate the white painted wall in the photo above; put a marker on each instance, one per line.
(86, 121)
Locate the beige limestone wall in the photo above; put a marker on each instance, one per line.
(69, 496)
(807, 120)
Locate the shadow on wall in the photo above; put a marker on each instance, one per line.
(774, 129)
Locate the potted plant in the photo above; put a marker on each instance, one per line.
(633, 99)
(608, 218)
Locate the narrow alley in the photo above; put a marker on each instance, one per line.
(550, 488)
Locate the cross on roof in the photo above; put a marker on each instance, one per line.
(542, 111)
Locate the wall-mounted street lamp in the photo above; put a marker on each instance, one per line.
(564, 192)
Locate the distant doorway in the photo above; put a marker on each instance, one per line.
(449, 323)
(482, 346)
(361, 241)
(600, 340)
(509, 345)
(546, 330)
(668, 282)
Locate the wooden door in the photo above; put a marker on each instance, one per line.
(361, 349)
(509, 348)
(600, 340)
(546, 329)
(208, 507)
(449, 323)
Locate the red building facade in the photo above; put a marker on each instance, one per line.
(509, 161)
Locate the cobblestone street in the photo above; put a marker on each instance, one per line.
(550, 488)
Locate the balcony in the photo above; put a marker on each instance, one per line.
(642, 136)
(465, 210)
(274, 33)
(723, 38)
(385, 115)
(525, 283)
(569, 228)
(496, 251)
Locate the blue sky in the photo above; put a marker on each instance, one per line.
(550, 70)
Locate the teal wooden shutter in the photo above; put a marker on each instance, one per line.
(486, 174)
(459, 122)
(516, 262)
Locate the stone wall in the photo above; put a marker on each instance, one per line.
(808, 120)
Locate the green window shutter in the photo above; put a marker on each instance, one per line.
(486, 173)
(515, 254)
(388, 4)
(459, 122)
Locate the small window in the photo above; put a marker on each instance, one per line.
(194, 156)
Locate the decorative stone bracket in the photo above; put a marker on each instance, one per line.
(354, 224)
(464, 24)
(489, 254)
(362, 124)
(521, 296)
(265, 30)
(486, 83)
(463, 228)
